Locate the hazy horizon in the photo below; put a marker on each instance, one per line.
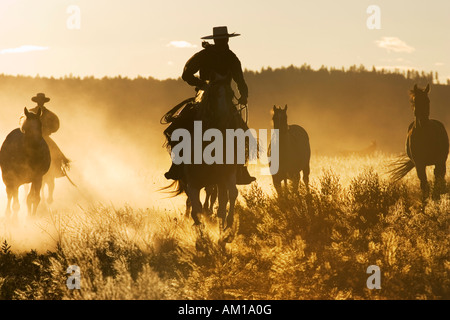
(151, 39)
(245, 70)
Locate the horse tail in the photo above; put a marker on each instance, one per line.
(400, 168)
(174, 189)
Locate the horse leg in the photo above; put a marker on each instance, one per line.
(10, 195)
(30, 200)
(13, 196)
(188, 207)
(424, 186)
(308, 197)
(213, 198)
(207, 199)
(439, 185)
(223, 201)
(295, 182)
(34, 197)
(51, 188)
(194, 196)
(306, 172)
(232, 196)
(15, 200)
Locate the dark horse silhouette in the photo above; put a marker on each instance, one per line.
(294, 152)
(24, 158)
(218, 115)
(426, 145)
(215, 112)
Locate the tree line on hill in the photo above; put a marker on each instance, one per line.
(342, 109)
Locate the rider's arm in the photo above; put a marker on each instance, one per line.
(238, 77)
(191, 68)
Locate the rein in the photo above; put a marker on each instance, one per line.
(241, 109)
(169, 116)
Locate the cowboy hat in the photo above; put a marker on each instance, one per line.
(40, 97)
(221, 33)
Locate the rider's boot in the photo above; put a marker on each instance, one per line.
(243, 176)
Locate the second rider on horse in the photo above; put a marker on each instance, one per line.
(60, 164)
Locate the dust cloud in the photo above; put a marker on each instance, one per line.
(110, 130)
(115, 161)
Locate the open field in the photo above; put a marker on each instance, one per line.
(346, 89)
(291, 248)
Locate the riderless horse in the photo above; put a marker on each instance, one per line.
(426, 145)
(294, 152)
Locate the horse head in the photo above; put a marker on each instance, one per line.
(31, 125)
(279, 118)
(420, 103)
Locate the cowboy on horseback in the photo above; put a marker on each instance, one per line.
(216, 59)
(60, 164)
(50, 122)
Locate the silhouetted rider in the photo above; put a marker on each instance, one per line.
(50, 124)
(50, 121)
(216, 59)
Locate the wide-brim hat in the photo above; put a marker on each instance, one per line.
(221, 33)
(40, 97)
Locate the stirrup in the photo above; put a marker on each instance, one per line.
(245, 181)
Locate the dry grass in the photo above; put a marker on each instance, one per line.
(297, 247)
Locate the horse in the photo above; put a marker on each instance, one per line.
(427, 144)
(24, 158)
(217, 114)
(294, 152)
(215, 110)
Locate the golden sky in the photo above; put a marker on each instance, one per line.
(155, 38)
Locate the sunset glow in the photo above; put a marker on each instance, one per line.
(150, 38)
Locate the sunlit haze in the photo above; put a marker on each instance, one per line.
(155, 38)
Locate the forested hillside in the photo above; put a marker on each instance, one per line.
(341, 109)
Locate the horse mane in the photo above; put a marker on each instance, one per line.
(412, 96)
